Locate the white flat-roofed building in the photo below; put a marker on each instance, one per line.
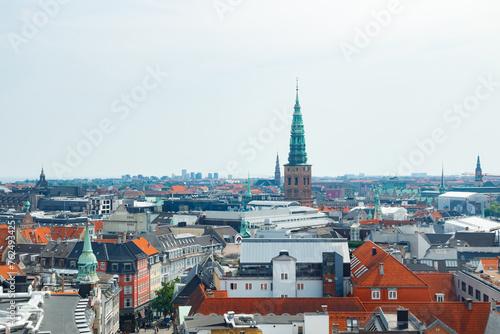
(466, 203)
(282, 217)
(275, 268)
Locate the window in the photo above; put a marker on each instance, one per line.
(72, 264)
(440, 297)
(127, 289)
(128, 278)
(464, 287)
(114, 267)
(263, 286)
(103, 265)
(300, 330)
(478, 295)
(486, 298)
(284, 296)
(248, 286)
(352, 324)
(233, 286)
(284, 276)
(376, 294)
(393, 294)
(471, 290)
(300, 286)
(128, 302)
(296, 181)
(451, 263)
(289, 181)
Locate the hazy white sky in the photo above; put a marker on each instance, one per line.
(105, 88)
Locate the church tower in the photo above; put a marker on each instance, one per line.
(277, 172)
(478, 179)
(87, 262)
(297, 170)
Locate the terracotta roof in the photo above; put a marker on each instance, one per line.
(340, 318)
(178, 188)
(145, 246)
(487, 263)
(38, 235)
(440, 283)
(453, 314)
(97, 224)
(201, 304)
(65, 232)
(12, 269)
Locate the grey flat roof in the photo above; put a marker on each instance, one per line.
(59, 314)
(304, 250)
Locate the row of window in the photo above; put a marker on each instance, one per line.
(392, 293)
(263, 286)
(470, 291)
(307, 181)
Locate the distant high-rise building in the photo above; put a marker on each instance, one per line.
(199, 176)
(216, 175)
(277, 171)
(184, 174)
(229, 176)
(209, 176)
(478, 179)
(192, 175)
(297, 170)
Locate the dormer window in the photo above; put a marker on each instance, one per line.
(393, 294)
(376, 294)
(439, 297)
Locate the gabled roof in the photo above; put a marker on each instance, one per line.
(454, 314)
(201, 303)
(38, 235)
(476, 239)
(440, 283)
(395, 273)
(6, 271)
(145, 246)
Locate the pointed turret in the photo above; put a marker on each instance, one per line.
(297, 170)
(478, 179)
(277, 171)
(249, 192)
(442, 189)
(297, 155)
(378, 210)
(87, 262)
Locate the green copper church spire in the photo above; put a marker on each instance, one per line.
(249, 193)
(297, 155)
(87, 262)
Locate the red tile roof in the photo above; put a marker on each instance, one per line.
(201, 304)
(145, 246)
(453, 314)
(66, 232)
(12, 269)
(38, 235)
(440, 283)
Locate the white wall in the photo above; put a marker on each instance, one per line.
(312, 288)
(287, 287)
(316, 323)
(477, 285)
(280, 328)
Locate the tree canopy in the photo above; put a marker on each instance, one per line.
(163, 301)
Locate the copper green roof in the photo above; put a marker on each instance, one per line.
(297, 154)
(87, 262)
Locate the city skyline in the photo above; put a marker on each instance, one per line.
(156, 88)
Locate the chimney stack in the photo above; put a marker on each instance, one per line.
(324, 307)
(335, 329)
(468, 303)
(374, 251)
(381, 269)
(402, 318)
(493, 305)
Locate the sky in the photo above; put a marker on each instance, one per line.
(105, 88)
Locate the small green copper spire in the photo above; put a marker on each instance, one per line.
(297, 155)
(249, 193)
(87, 262)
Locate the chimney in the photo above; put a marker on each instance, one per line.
(402, 318)
(374, 251)
(324, 307)
(468, 303)
(493, 305)
(335, 329)
(381, 269)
